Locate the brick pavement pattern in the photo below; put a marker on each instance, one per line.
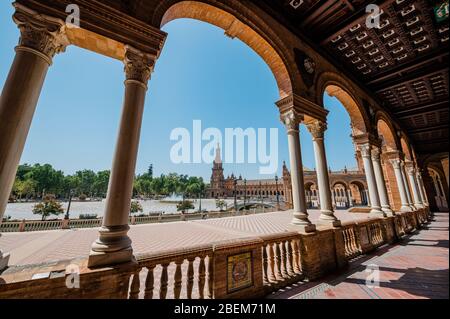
(47, 246)
(415, 268)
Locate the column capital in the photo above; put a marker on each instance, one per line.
(376, 153)
(317, 128)
(365, 149)
(138, 65)
(291, 119)
(395, 162)
(40, 34)
(309, 109)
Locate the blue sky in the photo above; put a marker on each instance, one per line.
(201, 75)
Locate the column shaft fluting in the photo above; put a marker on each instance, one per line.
(114, 245)
(327, 216)
(292, 122)
(371, 181)
(381, 183)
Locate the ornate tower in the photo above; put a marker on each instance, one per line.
(217, 177)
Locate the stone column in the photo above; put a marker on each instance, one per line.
(300, 220)
(113, 245)
(371, 181)
(422, 192)
(327, 217)
(350, 197)
(396, 164)
(41, 37)
(415, 189)
(381, 183)
(408, 191)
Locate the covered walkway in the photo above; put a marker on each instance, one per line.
(416, 267)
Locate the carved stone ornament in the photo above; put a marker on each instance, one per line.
(365, 150)
(395, 163)
(376, 154)
(317, 129)
(138, 65)
(40, 32)
(291, 120)
(310, 65)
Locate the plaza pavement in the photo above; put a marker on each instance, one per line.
(417, 267)
(46, 246)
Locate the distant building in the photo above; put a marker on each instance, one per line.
(348, 187)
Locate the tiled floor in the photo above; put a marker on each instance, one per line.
(415, 268)
(36, 247)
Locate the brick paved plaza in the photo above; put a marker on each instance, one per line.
(46, 246)
(416, 267)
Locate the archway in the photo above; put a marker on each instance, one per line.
(440, 188)
(389, 149)
(234, 28)
(340, 194)
(359, 194)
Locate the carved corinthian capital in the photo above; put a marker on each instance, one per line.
(39, 33)
(291, 120)
(395, 163)
(138, 65)
(376, 154)
(365, 150)
(317, 129)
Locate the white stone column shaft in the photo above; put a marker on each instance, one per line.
(371, 181)
(415, 189)
(396, 164)
(381, 183)
(408, 191)
(300, 220)
(327, 216)
(41, 37)
(114, 245)
(423, 193)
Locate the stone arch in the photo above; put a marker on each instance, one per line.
(265, 43)
(406, 148)
(340, 183)
(358, 191)
(336, 86)
(386, 132)
(440, 186)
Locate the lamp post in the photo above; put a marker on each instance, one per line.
(68, 205)
(260, 192)
(235, 194)
(245, 192)
(278, 194)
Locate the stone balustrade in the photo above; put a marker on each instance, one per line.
(157, 217)
(238, 268)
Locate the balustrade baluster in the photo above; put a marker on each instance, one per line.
(149, 283)
(265, 264)
(135, 285)
(271, 260)
(283, 259)
(210, 292)
(278, 273)
(177, 279)
(296, 255)
(164, 282)
(290, 267)
(190, 278)
(202, 276)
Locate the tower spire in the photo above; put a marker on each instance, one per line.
(218, 157)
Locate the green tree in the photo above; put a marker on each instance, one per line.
(220, 203)
(184, 206)
(49, 206)
(136, 207)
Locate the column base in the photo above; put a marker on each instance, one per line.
(388, 211)
(330, 223)
(377, 213)
(327, 218)
(414, 208)
(301, 228)
(112, 247)
(102, 259)
(406, 209)
(4, 259)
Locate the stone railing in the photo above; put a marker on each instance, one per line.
(174, 275)
(281, 262)
(239, 268)
(38, 225)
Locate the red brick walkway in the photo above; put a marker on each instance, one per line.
(417, 267)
